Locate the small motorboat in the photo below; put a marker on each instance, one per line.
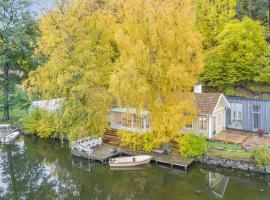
(10, 137)
(130, 161)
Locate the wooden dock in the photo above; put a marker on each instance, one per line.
(103, 153)
(170, 160)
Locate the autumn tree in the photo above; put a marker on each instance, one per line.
(212, 16)
(241, 53)
(160, 59)
(77, 40)
(18, 34)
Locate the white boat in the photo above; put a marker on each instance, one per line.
(130, 161)
(7, 134)
(10, 137)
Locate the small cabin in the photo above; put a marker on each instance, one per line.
(248, 114)
(211, 116)
(209, 121)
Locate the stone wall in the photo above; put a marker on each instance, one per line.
(235, 164)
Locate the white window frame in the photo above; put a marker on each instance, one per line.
(206, 128)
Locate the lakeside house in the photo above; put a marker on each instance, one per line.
(210, 119)
(248, 114)
(49, 105)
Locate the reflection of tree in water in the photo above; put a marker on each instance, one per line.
(37, 169)
(28, 175)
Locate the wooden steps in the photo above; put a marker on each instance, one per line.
(111, 137)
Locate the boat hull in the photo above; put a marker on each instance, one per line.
(117, 163)
(9, 138)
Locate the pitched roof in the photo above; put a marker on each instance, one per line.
(206, 102)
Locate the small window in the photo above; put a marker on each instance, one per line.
(256, 117)
(229, 116)
(202, 123)
(189, 126)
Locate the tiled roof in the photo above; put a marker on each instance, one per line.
(206, 102)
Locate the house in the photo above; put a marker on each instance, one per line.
(211, 115)
(248, 114)
(49, 105)
(209, 121)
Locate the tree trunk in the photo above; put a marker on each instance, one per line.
(6, 93)
(269, 15)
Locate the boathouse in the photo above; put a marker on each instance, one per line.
(248, 114)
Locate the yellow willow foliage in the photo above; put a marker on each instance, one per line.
(212, 16)
(160, 59)
(78, 42)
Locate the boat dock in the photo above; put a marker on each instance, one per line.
(103, 152)
(170, 160)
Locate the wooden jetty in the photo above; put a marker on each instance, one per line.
(111, 141)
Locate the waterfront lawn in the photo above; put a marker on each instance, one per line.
(230, 155)
(16, 116)
(227, 151)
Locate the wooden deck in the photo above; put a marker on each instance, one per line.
(248, 140)
(232, 136)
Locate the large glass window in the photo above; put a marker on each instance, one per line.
(256, 117)
(138, 122)
(202, 123)
(121, 120)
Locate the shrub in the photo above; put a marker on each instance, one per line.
(139, 142)
(261, 156)
(44, 124)
(191, 145)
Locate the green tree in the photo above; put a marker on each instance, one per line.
(255, 9)
(18, 34)
(241, 53)
(212, 16)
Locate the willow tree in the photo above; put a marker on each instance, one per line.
(212, 16)
(160, 58)
(77, 42)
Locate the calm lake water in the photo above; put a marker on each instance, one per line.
(38, 169)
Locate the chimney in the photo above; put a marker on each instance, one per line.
(198, 88)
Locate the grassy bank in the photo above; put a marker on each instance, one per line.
(260, 156)
(16, 116)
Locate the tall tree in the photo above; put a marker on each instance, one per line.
(18, 33)
(241, 53)
(160, 59)
(77, 39)
(255, 9)
(212, 16)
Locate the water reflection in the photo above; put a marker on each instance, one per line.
(36, 169)
(218, 183)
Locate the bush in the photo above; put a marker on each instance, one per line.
(191, 145)
(261, 156)
(138, 141)
(44, 124)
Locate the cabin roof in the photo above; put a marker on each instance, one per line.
(206, 102)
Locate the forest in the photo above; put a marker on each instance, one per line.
(135, 52)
